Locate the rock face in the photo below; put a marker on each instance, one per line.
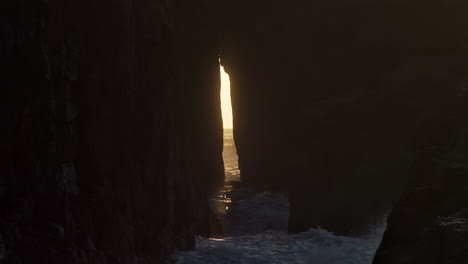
(425, 227)
(430, 223)
(112, 133)
(328, 96)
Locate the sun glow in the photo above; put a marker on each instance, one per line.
(226, 106)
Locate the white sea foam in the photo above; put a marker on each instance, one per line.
(316, 246)
(263, 211)
(255, 227)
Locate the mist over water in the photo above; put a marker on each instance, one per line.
(255, 230)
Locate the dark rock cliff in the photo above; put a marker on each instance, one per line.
(328, 96)
(427, 226)
(111, 129)
(430, 222)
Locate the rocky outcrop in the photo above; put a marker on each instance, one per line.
(112, 133)
(430, 223)
(328, 96)
(426, 228)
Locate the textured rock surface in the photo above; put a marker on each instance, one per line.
(423, 231)
(328, 96)
(110, 152)
(430, 223)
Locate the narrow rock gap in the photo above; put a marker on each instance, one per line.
(255, 220)
(229, 148)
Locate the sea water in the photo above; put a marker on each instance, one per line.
(255, 225)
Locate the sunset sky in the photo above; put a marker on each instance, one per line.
(226, 99)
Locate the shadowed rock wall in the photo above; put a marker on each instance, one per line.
(112, 130)
(328, 97)
(430, 222)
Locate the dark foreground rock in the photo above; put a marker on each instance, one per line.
(430, 223)
(111, 132)
(422, 234)
(329, 95)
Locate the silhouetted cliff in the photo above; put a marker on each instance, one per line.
(112, 130)
(328, 95)
(430, 222)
